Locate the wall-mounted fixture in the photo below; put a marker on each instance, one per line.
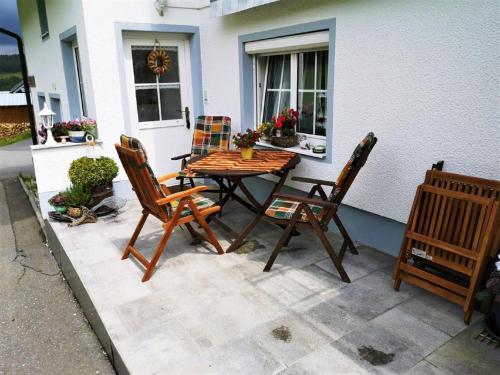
(161, 6)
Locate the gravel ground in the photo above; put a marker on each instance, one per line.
(42, 328)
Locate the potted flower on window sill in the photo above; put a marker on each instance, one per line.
(266, 131)
(245, 142)
(283, 134)
(58, 202)
(78, 129)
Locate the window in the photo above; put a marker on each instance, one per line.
(41, 101)
(42, 16)
(297, 80)
(81, 89)
(55, 106)
(158, 97)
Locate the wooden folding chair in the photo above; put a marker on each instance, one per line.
(171, 209)
(451, 231)
(291, 211)
(211, 133)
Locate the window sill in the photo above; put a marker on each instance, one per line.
(295, 149)
(60, 145)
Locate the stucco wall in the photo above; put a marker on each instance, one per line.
(423, 75)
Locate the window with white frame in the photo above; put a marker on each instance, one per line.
(292, 72)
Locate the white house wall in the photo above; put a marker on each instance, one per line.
(423, 75)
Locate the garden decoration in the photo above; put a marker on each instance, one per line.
(158, 60)
(47, 117)
(59, 202)
(95, 175)
(245, 142)
(87, 217)
(114, 203)
(79, 129)
(493, 284)
(283, 133)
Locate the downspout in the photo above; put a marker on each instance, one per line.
(24, 71)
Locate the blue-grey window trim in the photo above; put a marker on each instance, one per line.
(66, 38)
(54, 96)
(39, 95)
(195, 53)
(43, 20)
(246, 73)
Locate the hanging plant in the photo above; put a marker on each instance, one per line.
(158, 60)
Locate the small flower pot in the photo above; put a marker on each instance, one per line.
(246, 153)
(76, 136)
(60, 209)
(75, 212)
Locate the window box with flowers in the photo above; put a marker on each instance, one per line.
(76, 130)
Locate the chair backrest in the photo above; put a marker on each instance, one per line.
(351, 169)
(211, 133)
(135, 162)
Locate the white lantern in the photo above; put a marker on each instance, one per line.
(47, 117)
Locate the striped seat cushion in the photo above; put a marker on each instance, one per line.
(200, 201)
(284, 209)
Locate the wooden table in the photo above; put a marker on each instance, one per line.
(229, 165)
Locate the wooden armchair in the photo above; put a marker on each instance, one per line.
(211, 133)
(171, 209)
(293, 211)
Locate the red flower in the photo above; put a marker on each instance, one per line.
(279, 122)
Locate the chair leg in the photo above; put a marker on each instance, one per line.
(285, 237)
(326, 244)
(158, 251)
(203, 223)
(181, 183)
(344, 233)
(137, 230)
(191, 181)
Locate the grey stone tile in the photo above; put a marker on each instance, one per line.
(394, 333)
(465, 355)
(424, 368)
(289, 338)
(326, 360)
(437, 312)
(371, 295)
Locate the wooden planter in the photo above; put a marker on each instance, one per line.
(286, 141)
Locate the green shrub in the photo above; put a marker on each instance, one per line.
(90, 173)
(78, 195)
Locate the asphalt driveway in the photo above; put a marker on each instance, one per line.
(15, 159)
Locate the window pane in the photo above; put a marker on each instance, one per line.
(306, 71)
(274, 72)
(285, 83)
(142, 73)
(270, 105)
(306, 112)
(170, 100)
(147, 103)
(321, 116)
(285, 100)
(322, 72)
(172, 75)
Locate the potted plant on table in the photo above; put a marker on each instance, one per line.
(59, 202)
(283, 134)
(94, 175)
(245, 142)
(77, 197)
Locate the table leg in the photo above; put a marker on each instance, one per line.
(261, 211)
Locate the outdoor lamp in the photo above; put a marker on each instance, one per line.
(47, 117)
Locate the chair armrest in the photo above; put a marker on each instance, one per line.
(306, 200)
(167, 177)
(313, 181)
(184, 156)
(181, 194)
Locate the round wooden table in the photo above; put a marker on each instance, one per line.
(230, 166)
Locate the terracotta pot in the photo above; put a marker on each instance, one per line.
(246, 153)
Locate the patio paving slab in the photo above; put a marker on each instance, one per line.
(208, 313)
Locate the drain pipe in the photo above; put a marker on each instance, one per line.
(24, 71)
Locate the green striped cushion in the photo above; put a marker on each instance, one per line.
(284, 209)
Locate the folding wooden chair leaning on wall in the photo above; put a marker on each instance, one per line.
(292, 211)
(172, 210)
(451, 231)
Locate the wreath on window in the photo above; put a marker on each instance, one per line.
(159, 61)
